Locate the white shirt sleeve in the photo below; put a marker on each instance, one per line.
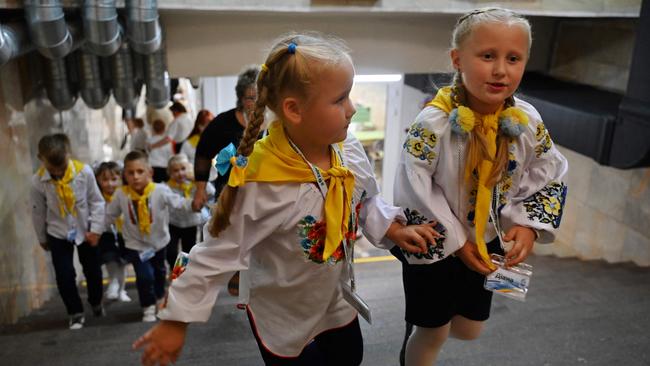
(416, 189)
(96, 203)
(375, 215)
(540, 195)
(259, 210)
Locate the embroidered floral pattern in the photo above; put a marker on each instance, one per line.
(420, 143)
(546, 205)
(312, 235)
(544, 140)
(436, 250)
(506, 182)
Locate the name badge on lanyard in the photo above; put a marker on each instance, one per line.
(349, 290)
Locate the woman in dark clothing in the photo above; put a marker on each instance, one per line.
(226, 128)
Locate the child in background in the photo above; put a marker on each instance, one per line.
(183, 225)
(480, 162)
(161, 149)
(68, 213)
(203, 118)
(145, 206)
(289, 215)
(109, 178)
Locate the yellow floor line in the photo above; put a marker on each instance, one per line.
(384, 258)
(131, 279)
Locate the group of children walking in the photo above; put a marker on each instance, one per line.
(113, 216)
(477, 165)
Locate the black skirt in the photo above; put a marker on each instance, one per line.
(436, 292)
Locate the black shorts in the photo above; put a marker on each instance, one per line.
(436, 292)
(109, 248)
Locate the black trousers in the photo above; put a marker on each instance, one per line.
(66, 278)
(335, 347)
(187, 236)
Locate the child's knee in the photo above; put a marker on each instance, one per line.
(465, 329)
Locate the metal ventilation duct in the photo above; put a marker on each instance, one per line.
(92, 90)
(124, 79)
(102, 31)
(143, 28)
(58, 84)
(157, 79)
(13, 42)
(47, 27)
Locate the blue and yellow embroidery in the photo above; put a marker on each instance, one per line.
(413, 217)
(546, 206)
(506, 182)
(544, 140)
(420, 143)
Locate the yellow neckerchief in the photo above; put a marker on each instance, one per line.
(273, 160)
(488, 126)
(185, 187)
(193, 140)
(118, 222)
(144, 220)
(64, 191)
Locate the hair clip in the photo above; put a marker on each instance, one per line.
(292, 48)
(264, 68)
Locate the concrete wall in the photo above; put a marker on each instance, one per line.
(25, 275)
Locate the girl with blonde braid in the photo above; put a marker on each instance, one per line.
(480, 162)
(289, 214)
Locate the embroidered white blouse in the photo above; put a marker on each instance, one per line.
(430, 184)
(274, 233)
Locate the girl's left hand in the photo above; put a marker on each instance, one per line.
(524, 238)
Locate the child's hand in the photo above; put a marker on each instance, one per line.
(200, 199)
(524, 239)
(92, 239)
(162, 343)
(472, 258)
(413, 238)
(45, 246)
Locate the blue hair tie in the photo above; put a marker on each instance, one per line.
(292, 48)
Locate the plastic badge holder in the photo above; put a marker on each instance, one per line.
(511, 282)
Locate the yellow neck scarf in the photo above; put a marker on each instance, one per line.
(194, 140)
(274, 160)
(185, 187)
(144, 220)
(64, 191)
(487, 126)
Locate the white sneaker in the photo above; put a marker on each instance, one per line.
(113, 290)
(124, 297)
(76, 321)
(149, 314)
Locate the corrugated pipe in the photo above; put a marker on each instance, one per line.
(156, 78)
(47, 27)
(142, 26)
(13, 42)
(93, 92)
(123, 75)
(102, 31)
(58, 84)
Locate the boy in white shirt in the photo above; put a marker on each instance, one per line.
(145, 206)
(68, 212)
(161, 149)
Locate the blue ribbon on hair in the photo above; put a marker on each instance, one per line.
(223, 158)
(292, 48)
